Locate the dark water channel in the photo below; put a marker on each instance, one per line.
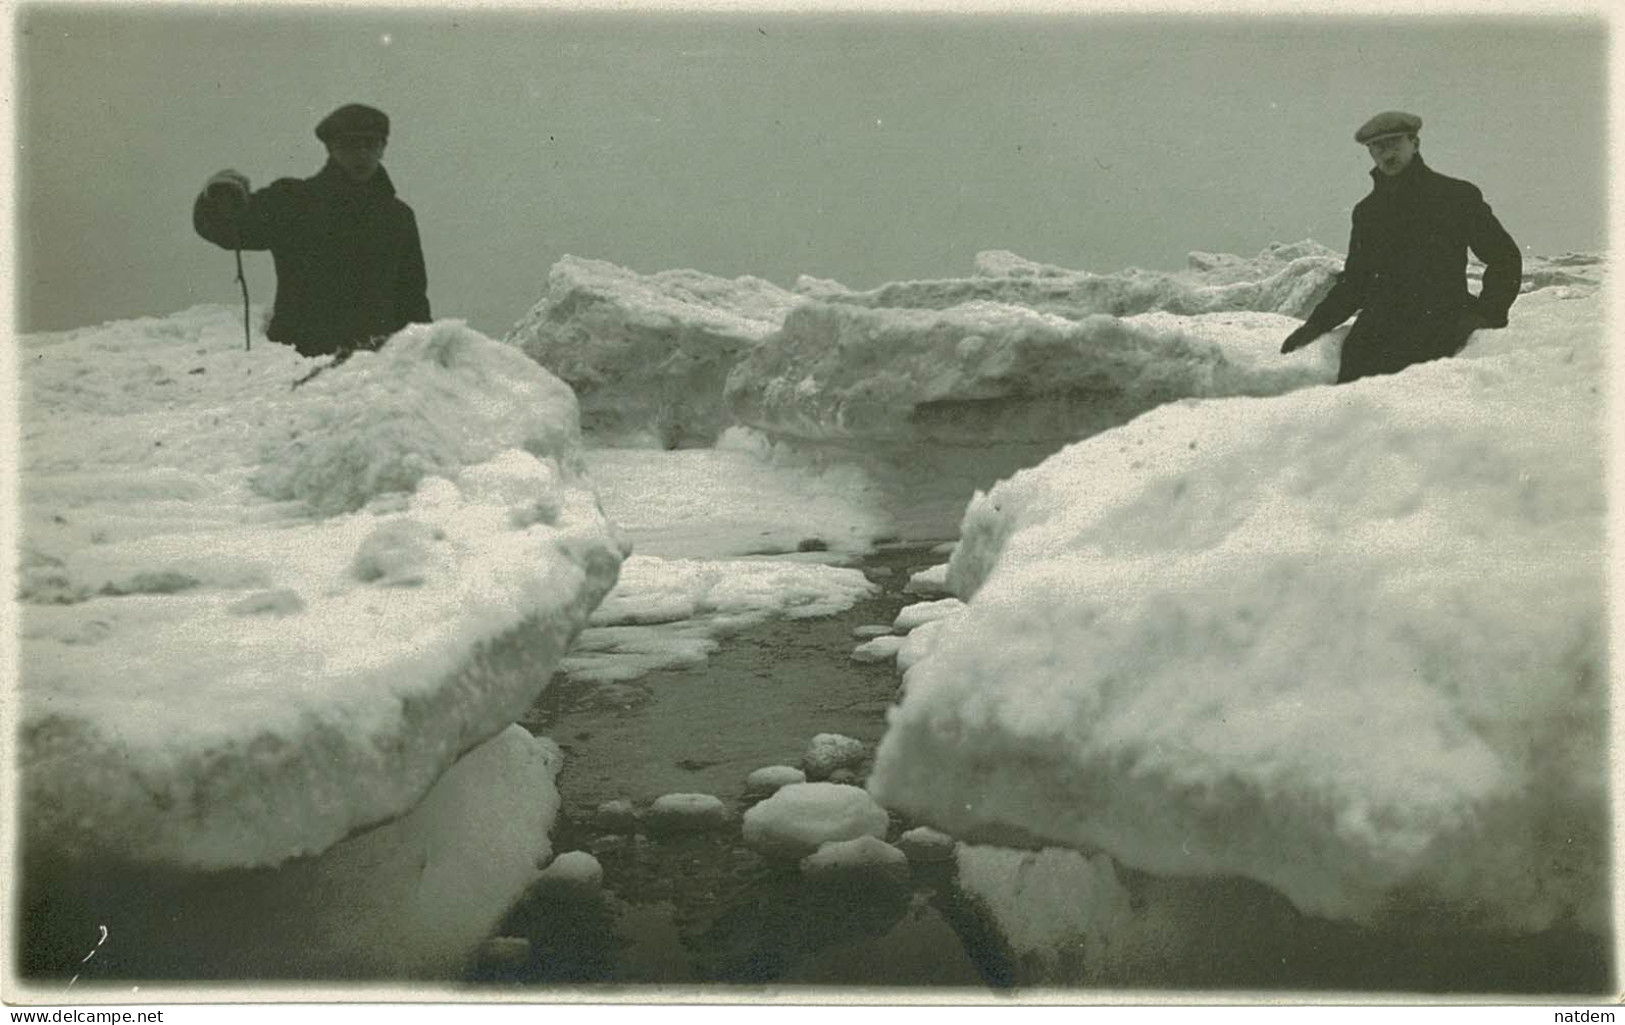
(702, 910)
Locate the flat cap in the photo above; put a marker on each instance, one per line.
(353, 119)
(1389, 122)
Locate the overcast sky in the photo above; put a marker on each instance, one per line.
(864, 148)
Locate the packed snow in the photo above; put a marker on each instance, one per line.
(1349, 642)
(257, 618)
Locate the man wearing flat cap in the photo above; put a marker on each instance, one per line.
(1406, 272)
(349, 265)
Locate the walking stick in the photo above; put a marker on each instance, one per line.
(248, 346)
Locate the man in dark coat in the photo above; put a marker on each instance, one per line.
(349, 265)
(1406, 272)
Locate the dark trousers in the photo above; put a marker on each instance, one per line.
(1388, 345)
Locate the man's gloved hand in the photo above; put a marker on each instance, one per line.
(226, 184)
(1299, 338)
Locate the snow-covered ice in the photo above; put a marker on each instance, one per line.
(800, 817)
(828, 752)
(717, 533)
(686, 813)
(932, 580)
(1020, 353)
(648, 354)
(878, 649)
(918, 642)
(863, 860)
(1052, 906)
(617, 816)
(1349, 642)
(912, 617)
(985, 372)
(771, 778)
(741, 497)
(255, 619)
(506, 952)
(1284, 278)
(667, 613)
(252, 616)
(413, 898)
(924, 844)
(572, 874)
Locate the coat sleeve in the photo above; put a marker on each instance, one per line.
(412, 281)
(1503, 262)
(231, 223)
(1348, 295)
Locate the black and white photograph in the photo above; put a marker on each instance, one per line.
(791, 504)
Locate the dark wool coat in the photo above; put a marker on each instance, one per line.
(349, 265)
(1406, 273)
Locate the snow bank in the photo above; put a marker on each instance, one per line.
(1348, 642)
(982, 372)
(1286, 279)
(648, 354)
(257, 619)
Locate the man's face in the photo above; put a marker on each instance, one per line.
(357, 155)
(1392, 153)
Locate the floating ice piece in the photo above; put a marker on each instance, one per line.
(920, 613)
(878, 650)
(618, 816)
(800, 817)
(928, 581)
(861, 861)
(831, 751)
(771, 778)
(666, 613)
(686, 813)
(871, 630)
(572, 874)
(924, 844)
(505, 952)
